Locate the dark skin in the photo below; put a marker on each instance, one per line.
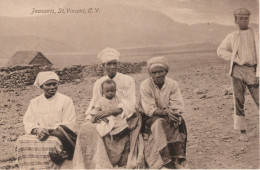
(49, 88)
(158, 75)
(242, 22)
(111, 70)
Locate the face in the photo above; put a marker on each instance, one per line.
(111, 68)
(109, 90)
(50, 88)
(242, 21)
(158, 75)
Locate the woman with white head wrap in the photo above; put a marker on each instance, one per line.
(46, 113)
(42, 77)
(161, 103)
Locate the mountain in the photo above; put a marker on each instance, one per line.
(114, 25)
(165, 50)
(123, 27)
(212, 32)
(11, 44)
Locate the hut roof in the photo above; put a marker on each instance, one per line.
(24, 58)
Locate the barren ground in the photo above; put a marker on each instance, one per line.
(203, 80)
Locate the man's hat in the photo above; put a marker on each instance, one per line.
(241, 11)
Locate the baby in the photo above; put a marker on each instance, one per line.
(107, 101)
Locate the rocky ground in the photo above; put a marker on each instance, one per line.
(206, 90)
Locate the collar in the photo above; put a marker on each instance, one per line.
(165, 82)
(238, 31)
(49, 99)
(114, 78)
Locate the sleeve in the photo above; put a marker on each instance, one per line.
(99, 103)
(147, 100)
(69, 115)
(176, 101)
(95, 96)
(225, 49)
(128, 100)
(29, 120)
(257, 52)
(97, 107)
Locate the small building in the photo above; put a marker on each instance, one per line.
(21, 58)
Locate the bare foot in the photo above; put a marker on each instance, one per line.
(178, 165)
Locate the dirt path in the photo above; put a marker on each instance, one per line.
(203, 80)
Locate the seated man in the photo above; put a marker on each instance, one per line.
(162, 105)
(94, 151)
(49, 124)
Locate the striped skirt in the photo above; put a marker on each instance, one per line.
(32, 153)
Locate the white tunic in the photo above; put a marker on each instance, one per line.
(246, 49)
(153, 98)
(116, 124)
(125, 91)
(50, 113)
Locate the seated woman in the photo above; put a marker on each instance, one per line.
(49, 124)
(162, 105)
(95, 151)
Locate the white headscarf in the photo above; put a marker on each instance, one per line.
(42, 77)
(157, 61)
(108, 54)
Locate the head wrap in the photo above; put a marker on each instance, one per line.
(108, 54)
(241, 11)
(42, 77)
(157, 61)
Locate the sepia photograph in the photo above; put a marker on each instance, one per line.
(129, 84)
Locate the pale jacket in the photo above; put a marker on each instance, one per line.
(153, 98)
(229, 47)
(50, 113)
(125, 91)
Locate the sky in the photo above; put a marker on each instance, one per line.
(185, 11)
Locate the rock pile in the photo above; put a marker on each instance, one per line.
(68, 74)
(21, 76)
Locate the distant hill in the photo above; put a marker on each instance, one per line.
(122, 27)
(212, 32)
(142, 53)
(11, 44)
(164, 50)
(118, 26)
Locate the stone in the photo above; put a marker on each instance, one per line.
(203, 96)
(228, 91)
(13, 138)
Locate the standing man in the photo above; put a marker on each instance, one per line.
(242, 48)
